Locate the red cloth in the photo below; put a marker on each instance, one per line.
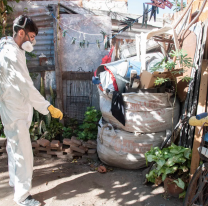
(107, 58)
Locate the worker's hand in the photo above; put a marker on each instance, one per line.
(55, 113)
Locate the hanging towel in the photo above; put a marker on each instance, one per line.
(117, 107)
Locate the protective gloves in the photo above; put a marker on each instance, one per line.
(55, 113)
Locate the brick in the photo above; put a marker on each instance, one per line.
(92, 151)
(35, 144)
(3, 150)
(68, 150)
(77, 149)
(54, 153)
(55, 148)
(43, 142)
(91, 146)
(68, 156)
(3, 142)
(93, 142)
(75, 140)
(83, 148)
(4, 155)
(41, 149)
(69, 142)
(43, 155)
(76, 154)
(55, 143)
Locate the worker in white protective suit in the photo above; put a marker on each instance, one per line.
(18, 97)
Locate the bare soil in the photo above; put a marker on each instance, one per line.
(58, 182)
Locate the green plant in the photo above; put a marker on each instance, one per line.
(88, 130)
(71, 129)
(54, 129)
(177, 5)
(173, 161)
(5, 10)
(67, 132)
(184, 62)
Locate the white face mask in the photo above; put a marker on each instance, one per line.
(27, 46)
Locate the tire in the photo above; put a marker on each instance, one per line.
(194, 185)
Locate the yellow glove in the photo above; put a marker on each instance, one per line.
(55, 113)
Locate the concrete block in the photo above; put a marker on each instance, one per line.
(43, 142)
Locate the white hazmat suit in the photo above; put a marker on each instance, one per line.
(18, 96)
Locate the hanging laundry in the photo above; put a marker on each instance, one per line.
(117, 107)
(145, 15)
(161, 3)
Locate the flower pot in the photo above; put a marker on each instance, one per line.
(171, 187)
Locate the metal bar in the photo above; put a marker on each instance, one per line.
(70, 11)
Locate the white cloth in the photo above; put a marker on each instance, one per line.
(18, 96)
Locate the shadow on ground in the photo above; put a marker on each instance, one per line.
(57, 182)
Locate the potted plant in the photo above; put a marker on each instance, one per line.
(172, 166)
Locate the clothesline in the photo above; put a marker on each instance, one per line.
(84, 33)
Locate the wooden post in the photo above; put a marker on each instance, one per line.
(200, 109)
(181, 5)
(58, 69)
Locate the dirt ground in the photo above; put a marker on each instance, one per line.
(59, 182)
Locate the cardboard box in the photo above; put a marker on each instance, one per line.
(147, 79)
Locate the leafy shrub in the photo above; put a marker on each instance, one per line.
(174, 160)
(88, 130)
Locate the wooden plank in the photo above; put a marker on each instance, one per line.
(41, 68)
(200, 109)
(58, 69)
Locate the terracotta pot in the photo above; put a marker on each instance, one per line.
(171, 187)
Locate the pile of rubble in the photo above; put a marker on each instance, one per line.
(69, 149)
